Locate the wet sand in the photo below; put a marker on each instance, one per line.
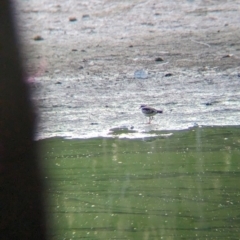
(81, 67)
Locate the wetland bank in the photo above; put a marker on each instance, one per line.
(110, 175)
(184, 186)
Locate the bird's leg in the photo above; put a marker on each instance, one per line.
(150, 119)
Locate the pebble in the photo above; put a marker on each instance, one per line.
(38, 38)
(141, 74)
(158, 59)
(208, 104)
(72, 19)
(227, 56)
(85, 16)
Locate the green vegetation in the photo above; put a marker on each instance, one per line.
(185, 186)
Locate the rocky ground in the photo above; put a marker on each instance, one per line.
(81, 57)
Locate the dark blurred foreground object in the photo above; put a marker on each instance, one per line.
(21, 196)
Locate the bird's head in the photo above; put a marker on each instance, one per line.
(143, 105)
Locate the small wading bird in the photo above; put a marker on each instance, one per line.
(149, 112)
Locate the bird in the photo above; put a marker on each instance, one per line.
(149, 112)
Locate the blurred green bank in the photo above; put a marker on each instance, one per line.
(184, 186)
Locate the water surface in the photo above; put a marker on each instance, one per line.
(179, 186)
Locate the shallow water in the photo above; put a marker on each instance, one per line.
(179, 186)
(80, 108)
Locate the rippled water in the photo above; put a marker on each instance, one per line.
(180, 186)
